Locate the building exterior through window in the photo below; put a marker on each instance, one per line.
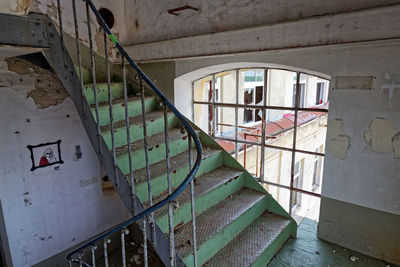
(274, 122)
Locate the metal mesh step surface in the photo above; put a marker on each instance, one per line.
(215, 219)
(245, 248)
(176, 162)
(150, 116)
(153, 140)
(117, 101)
(202, 185)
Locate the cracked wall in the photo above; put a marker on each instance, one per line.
(47, 89)
(383, 136)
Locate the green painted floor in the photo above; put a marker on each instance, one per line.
(308, 250)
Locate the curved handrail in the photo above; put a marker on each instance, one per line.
(186, 125)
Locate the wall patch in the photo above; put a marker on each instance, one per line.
(339, 141)
(46, 154)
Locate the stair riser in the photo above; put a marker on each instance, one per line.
(136, 131)
(156, 154)
(275, 246)
(117, 91)
(209, 248)
(183, 214)
(134, 109)
(159, 184)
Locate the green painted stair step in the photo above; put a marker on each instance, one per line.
(134, 109)
(219, 224)
(117, 91)
(256, 244)
(212, 159)
(154, 124)
(209, 189)
(178, 143)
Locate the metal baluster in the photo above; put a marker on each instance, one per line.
(60, 24)
(192, 205)
(170, 212)
(78, 51)
(92, 64)
(93, 248)
(70, 263)
(146, 152)
(237, 115)
(105, 242)
(128, 136)
(145, 255)
(110, 107)
(123, 233)
(80, 258)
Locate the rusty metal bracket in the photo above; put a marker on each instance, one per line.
(174, 11)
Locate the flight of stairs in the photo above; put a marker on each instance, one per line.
(238, 222)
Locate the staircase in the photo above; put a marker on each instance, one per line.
(193, 202)
(237, 222)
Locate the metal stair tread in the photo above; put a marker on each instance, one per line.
(160, 168)
(249, 244)
(202, 185)
(215, 219)
(134, 120)
(153, 140)
(117, 101)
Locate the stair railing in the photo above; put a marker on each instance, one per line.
(75, 257)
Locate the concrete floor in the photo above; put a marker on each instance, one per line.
(308, 250)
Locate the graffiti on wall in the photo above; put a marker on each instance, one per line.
(44, 155)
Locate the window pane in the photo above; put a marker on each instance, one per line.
(250, 157)
(308, 207)
(279, 128)
(225, 86)
(311, 170)
(202, 117)
(311, 130)
(314, 91)
(225, 122)
(251, 86)
(201, 89)
(277, 166)
(281, 85)
(249, 124)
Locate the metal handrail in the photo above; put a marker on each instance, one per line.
(185, 123)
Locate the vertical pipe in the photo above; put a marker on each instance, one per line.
(193, 102)
(93, 248)
(70, 263)
(294, 140)
(105, 242)
(170, 212)
(192, 205)
(146, 152)
(264, 125)
(213, 105)
(236, 114)
(93, 68)
(78, 51)
(60, 24)
(110, 109)
(128, 137)
(145, 254)
(123, 233)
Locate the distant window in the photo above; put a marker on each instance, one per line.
(320, 94)
(302, 90)
(297, 183)
(251, 115)
(317, 169)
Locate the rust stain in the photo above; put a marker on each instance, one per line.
(48, 90)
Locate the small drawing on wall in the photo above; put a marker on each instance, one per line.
(44, 155)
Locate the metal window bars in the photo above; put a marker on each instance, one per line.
(264, 137)
(75, 257)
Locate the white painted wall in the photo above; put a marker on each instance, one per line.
(64, 208)
(365, 178)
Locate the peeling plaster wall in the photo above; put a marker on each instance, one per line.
(15, 7)
(353, 173)
(51, 209)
